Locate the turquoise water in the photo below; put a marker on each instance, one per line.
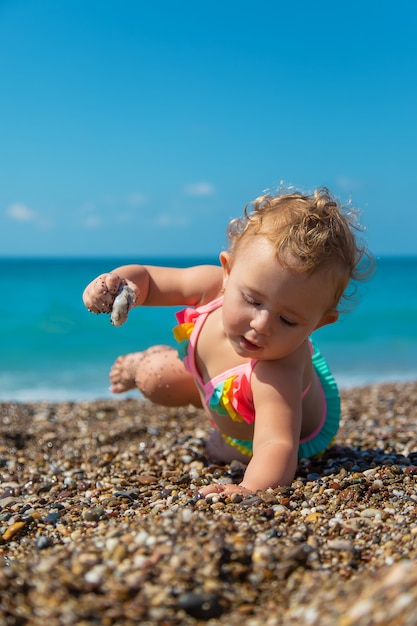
(53, 349)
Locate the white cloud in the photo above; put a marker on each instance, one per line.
(136, 199)
(171, 221)
(348, 184)
(21, 213)
(92, 221)
(199, 189)
(88, 206)
(126, 217)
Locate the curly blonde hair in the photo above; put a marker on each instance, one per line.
(309, 232)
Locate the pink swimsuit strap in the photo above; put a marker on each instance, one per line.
(198, 316)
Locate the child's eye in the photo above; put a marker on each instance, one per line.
(250, 300)
(287, 322)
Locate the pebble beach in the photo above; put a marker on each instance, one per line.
(100, 522)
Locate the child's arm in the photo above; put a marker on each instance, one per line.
(155, 286)
(276, 434)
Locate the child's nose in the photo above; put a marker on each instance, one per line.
(261, 323)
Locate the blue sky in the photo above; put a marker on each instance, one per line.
(137, 128)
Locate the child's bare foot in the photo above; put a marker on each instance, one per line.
(123, 372)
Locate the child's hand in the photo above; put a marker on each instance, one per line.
(100, 294)
(226, 490)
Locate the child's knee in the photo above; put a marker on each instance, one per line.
(219, 451)
(161, 378)
(149, 378)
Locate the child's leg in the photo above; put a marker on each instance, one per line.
(219, 451)
(159, 375)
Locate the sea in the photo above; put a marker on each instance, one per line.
(52, 349)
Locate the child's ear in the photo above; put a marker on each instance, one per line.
(226, 261)
(328, 318)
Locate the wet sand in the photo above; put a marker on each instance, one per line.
(100, 524)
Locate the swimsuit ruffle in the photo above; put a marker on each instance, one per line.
(230, 397)
(326, 435)
(182, 332)
(243, 445)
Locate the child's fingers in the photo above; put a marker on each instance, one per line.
(112, 282)
(226, 489)
(99, 295)
(211, 489)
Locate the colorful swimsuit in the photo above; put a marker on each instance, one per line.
(230, 392)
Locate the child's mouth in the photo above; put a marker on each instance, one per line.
(248, 345)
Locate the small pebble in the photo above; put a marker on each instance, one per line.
(94, 514)
(43, 542)
(202, 606)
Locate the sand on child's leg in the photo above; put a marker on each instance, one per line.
(123, 372)
(158, 374)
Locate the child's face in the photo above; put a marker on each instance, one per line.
(269, 310)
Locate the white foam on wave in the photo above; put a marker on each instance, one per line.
(349, 381)
(65, 394)
(46, 394)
